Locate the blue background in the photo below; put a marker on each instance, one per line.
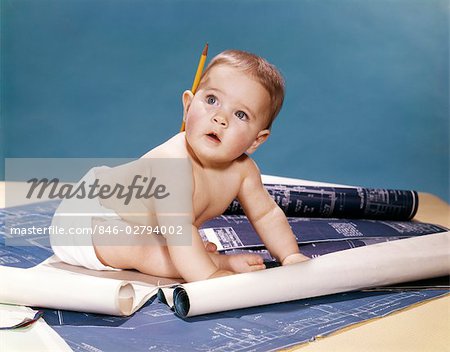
(367, 81)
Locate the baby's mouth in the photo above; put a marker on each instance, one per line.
(213, 137)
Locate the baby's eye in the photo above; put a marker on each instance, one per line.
(211, 99)
(241, 115)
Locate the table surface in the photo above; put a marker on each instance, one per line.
(424, 327)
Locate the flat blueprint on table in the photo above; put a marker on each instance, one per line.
(156, 327)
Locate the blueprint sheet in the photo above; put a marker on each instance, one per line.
(156, 327)
(340, 202)
(235, 231)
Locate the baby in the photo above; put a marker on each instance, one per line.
(228, 118)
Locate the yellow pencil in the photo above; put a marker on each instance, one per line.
(198, 74)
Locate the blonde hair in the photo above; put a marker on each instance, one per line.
(260, 69)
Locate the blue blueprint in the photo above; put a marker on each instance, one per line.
(235, 231)
(156, 327)
(313, 250)
(38, 249)
(340, 202)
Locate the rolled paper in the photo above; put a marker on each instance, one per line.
(39, 287)
(357, 268)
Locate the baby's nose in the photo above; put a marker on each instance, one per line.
(219, 119)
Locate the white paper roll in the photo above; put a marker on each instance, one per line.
(62, 290)
(363, 267)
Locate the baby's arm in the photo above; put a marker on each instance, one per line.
(192, 261)
(195, 262)
(267, 218)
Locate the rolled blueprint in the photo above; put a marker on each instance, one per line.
(339, 202)
(39, 287)
(363, 267)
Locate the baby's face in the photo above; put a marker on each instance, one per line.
(227, 115)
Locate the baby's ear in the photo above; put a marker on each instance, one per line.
(187, 99)
(260, 139)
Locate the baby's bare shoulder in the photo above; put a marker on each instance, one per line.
(247, 167)
(251, 183)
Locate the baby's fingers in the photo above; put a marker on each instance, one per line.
(255, 259)
(256, 267)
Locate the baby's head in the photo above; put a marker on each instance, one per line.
(238, 97)
(258, 68)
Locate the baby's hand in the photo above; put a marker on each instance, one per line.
(294, 258)
(244, 263)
